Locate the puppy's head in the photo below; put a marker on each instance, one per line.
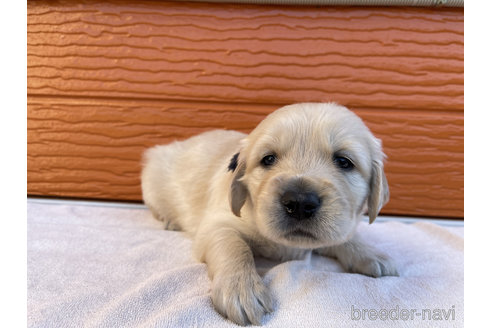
(307, 173)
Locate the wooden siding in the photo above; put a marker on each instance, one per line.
(108, 79)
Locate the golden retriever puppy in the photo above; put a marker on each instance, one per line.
(299, 182)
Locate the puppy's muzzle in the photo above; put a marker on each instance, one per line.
(300, 205)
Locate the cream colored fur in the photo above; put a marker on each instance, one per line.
(235, 215)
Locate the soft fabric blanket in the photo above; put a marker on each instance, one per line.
(103, 266)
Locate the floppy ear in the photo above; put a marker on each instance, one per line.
(239, 192)
(378, 191)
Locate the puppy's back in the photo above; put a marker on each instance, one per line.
(176, 178)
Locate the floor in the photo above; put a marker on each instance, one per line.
(100, 264)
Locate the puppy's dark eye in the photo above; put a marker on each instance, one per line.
(343, 163)
(268, 160)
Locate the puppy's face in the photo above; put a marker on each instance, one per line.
(307, 173)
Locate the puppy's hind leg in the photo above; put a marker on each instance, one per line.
(168, 222)
(171, 225)
(157, 186)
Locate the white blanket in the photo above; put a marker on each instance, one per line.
(100, 266)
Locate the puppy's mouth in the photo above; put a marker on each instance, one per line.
(300, 233)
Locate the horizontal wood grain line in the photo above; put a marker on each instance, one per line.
(451, 83)
(253, 11)
(426, 145)
(256, 28)
(71, 127)
(107, 177)
(229, 38)
(457, 59)
(250, 108)
(403, 89)
(432, 42)
(335, 94)
(46, 103)
(102, 66)
(136, 38)
(198, 40)
(103, 174)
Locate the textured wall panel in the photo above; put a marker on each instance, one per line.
(362, 57)
(108, 79)
(92, 148)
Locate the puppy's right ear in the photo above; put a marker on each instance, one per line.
(239, 192)
(379, 191)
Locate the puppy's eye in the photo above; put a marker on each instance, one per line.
(268, 160)
(343, 163)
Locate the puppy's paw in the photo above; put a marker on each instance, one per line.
(374, 265)
(171, 225)
(168, 223)
(241, 297)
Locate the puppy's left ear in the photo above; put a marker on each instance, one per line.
(378, 191)
(238, 192)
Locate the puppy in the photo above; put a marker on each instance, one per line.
(299, 182)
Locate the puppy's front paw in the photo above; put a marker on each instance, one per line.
(374, 265)
(241, 297)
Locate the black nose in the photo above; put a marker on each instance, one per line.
(300, 205)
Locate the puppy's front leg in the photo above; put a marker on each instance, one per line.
(355, 256)
(238, 292)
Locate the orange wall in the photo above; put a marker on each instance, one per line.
(106, 80)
